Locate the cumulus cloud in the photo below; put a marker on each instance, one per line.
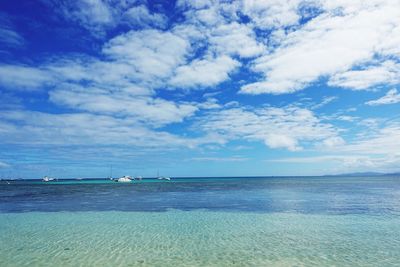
(102, 16)
(387, 72)
(204, 72)
(123, 83)
(284, 128)
(325, 46)
(94, 15)
(140, 16)
(215, 26)
(122, 94)
(210, 103)
(92, 12)
(294, 43)
(273, 14)
(235, 39)
(151, 53)
(208, 13)
(391, 97)
(120, 85)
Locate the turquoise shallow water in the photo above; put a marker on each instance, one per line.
(197, 238)
(296, 221)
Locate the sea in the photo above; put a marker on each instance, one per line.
(238, 221)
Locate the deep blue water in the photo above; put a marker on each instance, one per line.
(308, 195)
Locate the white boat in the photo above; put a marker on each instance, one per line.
(47, 179)
(164, 178)
(138, 178)
(125, 179)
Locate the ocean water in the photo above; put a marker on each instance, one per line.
(292, 221)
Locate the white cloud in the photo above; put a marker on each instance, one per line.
(235, 39)
(211, 103)
(93, 11)
(386, 73)
(219, 159)
(371, 123)
(390, 45)
(217, 25)
(206, 13)
(38, 128)
(272, 13)
(115, 97)
(302, 54)
(320, 159)
(204, 72)
(114, 75)
(150, 53)
(346, 118)
(149, 110)
(124, 83)
(139, 16)
(333, 142)
(375, 150)
(17, 77)
(381, 141)
(274, 140)
(325, 101)
(326, 46)
(207, 16)
(391, 97)
(348, 163)
(197, 4)
(95, 15)
(101, 16)
(285, 127)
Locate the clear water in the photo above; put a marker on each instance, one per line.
(298, 221)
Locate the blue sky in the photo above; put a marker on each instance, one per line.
(199, 88)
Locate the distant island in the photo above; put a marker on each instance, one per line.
(360, 174)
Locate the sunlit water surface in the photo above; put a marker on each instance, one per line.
(297, 221)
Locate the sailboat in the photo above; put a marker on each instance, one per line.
(110, 177)
(162, 177)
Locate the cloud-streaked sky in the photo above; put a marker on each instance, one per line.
(198, 87)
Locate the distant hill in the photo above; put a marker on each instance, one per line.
(392, 174)
(360, 174)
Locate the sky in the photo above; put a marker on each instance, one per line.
(199, 87)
